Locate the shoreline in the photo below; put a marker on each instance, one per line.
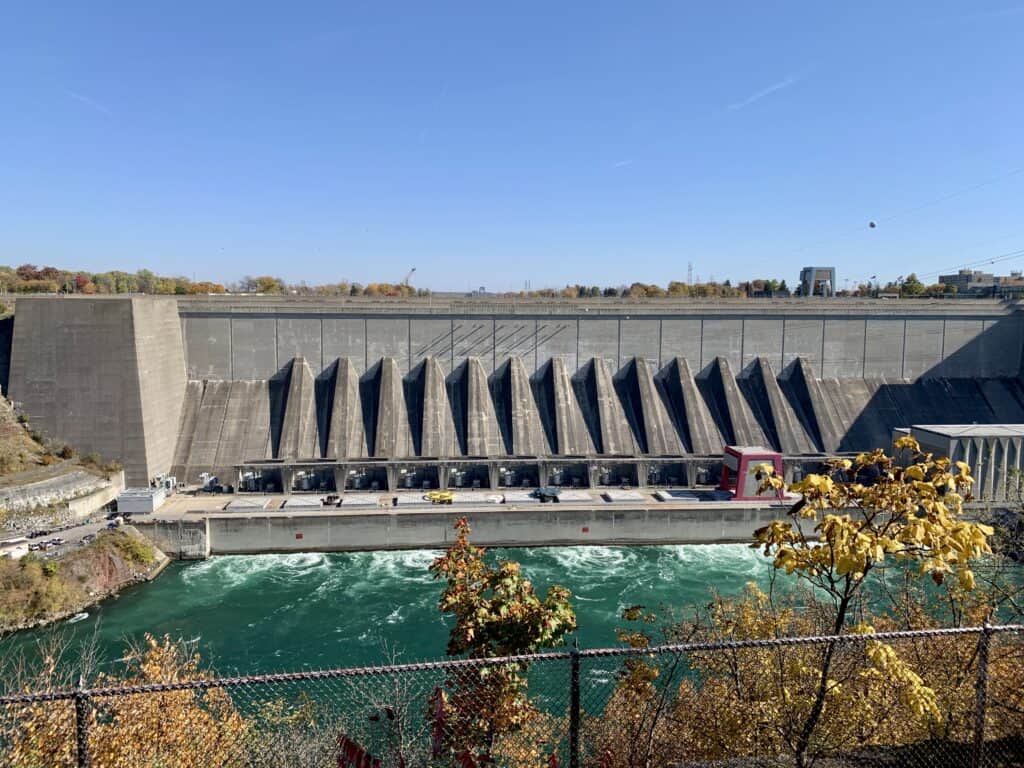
(161, 561)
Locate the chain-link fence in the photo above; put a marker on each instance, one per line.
(946, 697)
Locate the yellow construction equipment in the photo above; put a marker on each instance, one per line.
(439, 497)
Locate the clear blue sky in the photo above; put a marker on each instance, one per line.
(490, 144)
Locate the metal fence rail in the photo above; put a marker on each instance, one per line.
(952, 696)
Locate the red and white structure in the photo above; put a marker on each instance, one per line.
(739, 465)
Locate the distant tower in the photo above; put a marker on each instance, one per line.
(689, 273)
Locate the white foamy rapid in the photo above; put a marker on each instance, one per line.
(341, 609)
(234, 571)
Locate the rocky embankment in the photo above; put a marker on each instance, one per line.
(34, 591)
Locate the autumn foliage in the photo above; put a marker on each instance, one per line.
(853, 520)
(873, 544)
(497, 613)
(187, 728)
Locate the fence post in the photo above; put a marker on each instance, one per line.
(82, 729)
(981, 697)
(574, 706)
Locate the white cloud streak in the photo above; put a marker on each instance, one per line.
(773, 88)
(89, 102)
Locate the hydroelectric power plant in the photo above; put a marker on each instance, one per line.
(363, 395)
(484, 393)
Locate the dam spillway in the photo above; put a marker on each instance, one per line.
(205, 384)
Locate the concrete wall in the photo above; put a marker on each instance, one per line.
(159, 360)
(184, 539)
(109, 374)
(105, 375)
(243, 534)
(69, 488)
(84, 507)
(241, 345)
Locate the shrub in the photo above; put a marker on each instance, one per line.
(135, 549)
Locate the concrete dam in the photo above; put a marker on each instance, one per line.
(417, 393)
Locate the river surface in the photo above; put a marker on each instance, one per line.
(263, 613)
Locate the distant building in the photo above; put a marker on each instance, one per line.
(968, 279)
(972, 282)
(993, 452)
(140, 501)
(818, 281)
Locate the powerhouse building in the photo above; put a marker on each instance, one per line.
(286, 392)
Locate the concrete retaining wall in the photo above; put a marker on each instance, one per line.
(79, 489)
(184, 539)
(86, 506)
(234, 534)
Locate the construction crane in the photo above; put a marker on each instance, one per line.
(408, 277)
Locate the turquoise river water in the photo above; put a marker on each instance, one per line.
(268, 613)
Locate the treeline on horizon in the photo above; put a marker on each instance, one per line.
(29, 278)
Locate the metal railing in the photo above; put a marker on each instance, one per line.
(740, 702)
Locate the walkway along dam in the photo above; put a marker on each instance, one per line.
(479, 393)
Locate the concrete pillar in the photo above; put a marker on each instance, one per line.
(392, 472)
(340, 474)
(443, 472)
(690, 466)
(492, 475)
(642, 468)
(593, 475)
(287, 479)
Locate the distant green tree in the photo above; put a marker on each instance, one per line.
(267, 284)
(912, 286)
(145, 280)
(678, 288)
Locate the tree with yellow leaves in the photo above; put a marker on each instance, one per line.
(497, 613)
(852, 518)
(190, 728)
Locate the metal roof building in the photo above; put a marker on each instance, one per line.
(995, 453)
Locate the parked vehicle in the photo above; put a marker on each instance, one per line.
(546, 494)
(439, 497)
